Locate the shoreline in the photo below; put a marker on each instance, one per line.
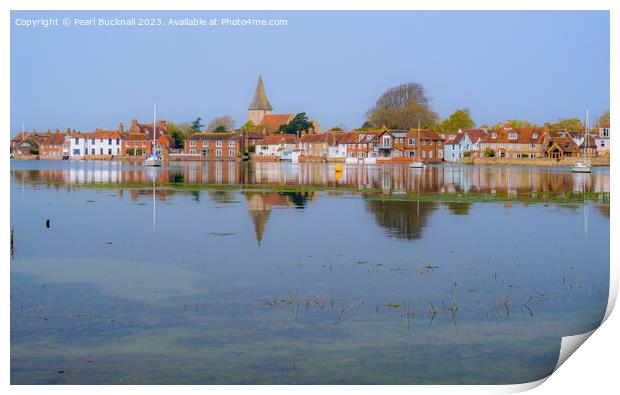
(531, 162)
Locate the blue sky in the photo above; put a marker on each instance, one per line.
(538, 66)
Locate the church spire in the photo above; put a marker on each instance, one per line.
(260, 101)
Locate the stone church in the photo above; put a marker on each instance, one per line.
(260, 111)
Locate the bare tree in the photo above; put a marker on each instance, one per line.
(402, 96)
(402, 107)
(221, 124)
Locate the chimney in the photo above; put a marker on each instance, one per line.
(161, 123)
(120, 128)
(56, 131)
(134, 125)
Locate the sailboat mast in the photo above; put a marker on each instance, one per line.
(587, 129)
(154, 127)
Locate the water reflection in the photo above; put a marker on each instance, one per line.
(509, 181)
(401, 219)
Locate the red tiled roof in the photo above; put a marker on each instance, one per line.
(273, 121)
(215, 136)
(277, 139)
(55, 139)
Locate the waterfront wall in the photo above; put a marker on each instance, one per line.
(566, 161)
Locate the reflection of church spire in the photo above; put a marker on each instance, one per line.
(259, 213)
(259, 218)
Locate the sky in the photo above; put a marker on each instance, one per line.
(537, 66)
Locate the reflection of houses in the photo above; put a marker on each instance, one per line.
(260, 205)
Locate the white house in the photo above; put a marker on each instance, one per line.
(276, 145)
(101, 143)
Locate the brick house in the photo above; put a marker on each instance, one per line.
(54, 147)
(137, 141)
(427, 148)
(213, 146)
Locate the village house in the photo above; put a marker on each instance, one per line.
(276, 146)
(602, 138)
(508, 142)
(100, 144)
(457, 143)
(213, 146)
(427, 148)
(561, 144)
(137, 141)
(357, 144)
(27, 143)
(316, 146)
(55, 147)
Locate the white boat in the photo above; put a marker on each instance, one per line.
(582, 167)
(417, 165)
(153, 159)
(585, 166)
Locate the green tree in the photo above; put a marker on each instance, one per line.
(401, 107)
(248, 126)
(298, 124)
(179, 132)
(221, 124)
(196, 125)
(569, 124)
(489, 152)
(460, 119)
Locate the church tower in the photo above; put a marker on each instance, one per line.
(260, 105)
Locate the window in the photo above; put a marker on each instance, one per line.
(231, 152)
(231, 143)
(192, 152)
(144, 143)
(219, 144)
(192, 143)
(77, 142)
(494, 135)
(135, 143)
(512, 135)
(423, 154)
(410, 142)
(109, 141)
(386, 141)
(118, 141)
(127, 143)
(360, 154)
(412, 154)
(92, 141)
(205, 143)
(109, 151)
(305, 145)
(532, 146)
(535, 135)
(92, 151)
(218, 152)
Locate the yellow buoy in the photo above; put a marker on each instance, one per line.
(338, 168)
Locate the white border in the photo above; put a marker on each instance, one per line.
(593, 369)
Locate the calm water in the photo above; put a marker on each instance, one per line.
(282, 273)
